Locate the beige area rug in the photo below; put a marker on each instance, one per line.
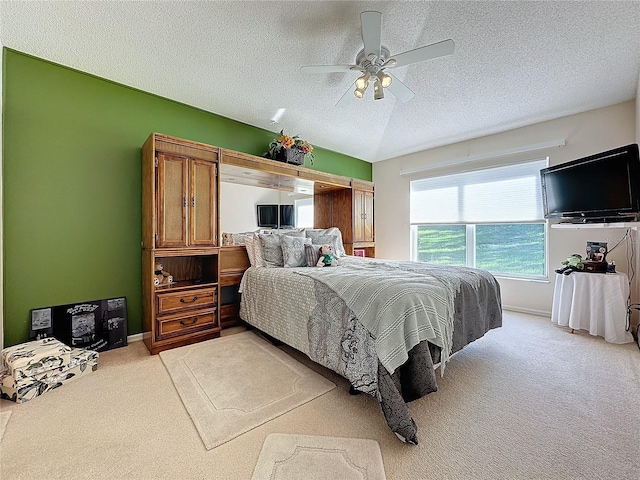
(305, 457)
(4, 419)
(233, 384)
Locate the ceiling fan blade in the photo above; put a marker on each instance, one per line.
(435, 50)
(348, 97)
(399, 89)
(329, 68)
(371, 32)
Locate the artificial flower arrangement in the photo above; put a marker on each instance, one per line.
(282, 143)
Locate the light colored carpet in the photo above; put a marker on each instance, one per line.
(307, 457)
(4, 419)
(529, 401)
(233, 384)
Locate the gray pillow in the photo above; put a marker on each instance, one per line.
(325, 240)
(312, 254)
(271, 250)
(293, 250)
(315, 233)
(238, 238)
(293, 232)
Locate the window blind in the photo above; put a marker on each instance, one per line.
(509, 193)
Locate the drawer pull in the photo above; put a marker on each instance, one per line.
(182, 300)
(193, 320)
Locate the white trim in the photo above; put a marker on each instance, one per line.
(634, 225)
(484, 156)
(531, 311)
(136, 337)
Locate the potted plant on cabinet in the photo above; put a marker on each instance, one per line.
(290, 149)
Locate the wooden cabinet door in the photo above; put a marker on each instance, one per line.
(367, 202)
(172, 178)
(362, 216)
(202, 203)
(358, 216)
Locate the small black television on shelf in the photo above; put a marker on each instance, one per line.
(270, 216)
(604, 187)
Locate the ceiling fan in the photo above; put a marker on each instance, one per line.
(374, 60)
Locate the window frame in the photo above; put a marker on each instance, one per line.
(470, 234)
(470, 246)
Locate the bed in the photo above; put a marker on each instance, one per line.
(383, 325)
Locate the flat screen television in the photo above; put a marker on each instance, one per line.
(268, 216)
(604, 187)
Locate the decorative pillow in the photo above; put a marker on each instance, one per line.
(293, 232)
(257, 252)
(238, 238)
(312, 254)
(293, 250)
(227, 239)
(320, 240)
(249, 243)
(338, 247)
(231, 239)
(254, 250)
(271, 250)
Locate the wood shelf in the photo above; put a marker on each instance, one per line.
(185, 285)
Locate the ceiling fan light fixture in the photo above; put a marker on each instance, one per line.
(385, 80)
(374, 58)
(363, 81)
(378, 92)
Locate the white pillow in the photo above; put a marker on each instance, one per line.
(250, 246)
(315, 233)
(254, 250)
(293, 250)
(292, 232)
(257, 252)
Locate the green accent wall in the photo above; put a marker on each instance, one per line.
(72, 183)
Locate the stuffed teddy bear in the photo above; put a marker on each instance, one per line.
(160, 277)
(573, 263)
(326, 257)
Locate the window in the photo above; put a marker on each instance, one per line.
(490, 219)
(304, 212)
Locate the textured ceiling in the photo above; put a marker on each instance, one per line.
(515, 63)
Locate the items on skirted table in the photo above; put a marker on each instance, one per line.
(31, 369)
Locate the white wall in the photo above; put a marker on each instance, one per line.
(239, 212)
(585, 134)
(1, 209)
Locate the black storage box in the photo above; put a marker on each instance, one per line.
(97, 325)
(595, 267)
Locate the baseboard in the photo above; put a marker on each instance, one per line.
(134, 338)
(530, 311)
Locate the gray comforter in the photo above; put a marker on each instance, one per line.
(313, 311)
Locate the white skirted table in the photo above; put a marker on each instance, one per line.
(596, 302)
